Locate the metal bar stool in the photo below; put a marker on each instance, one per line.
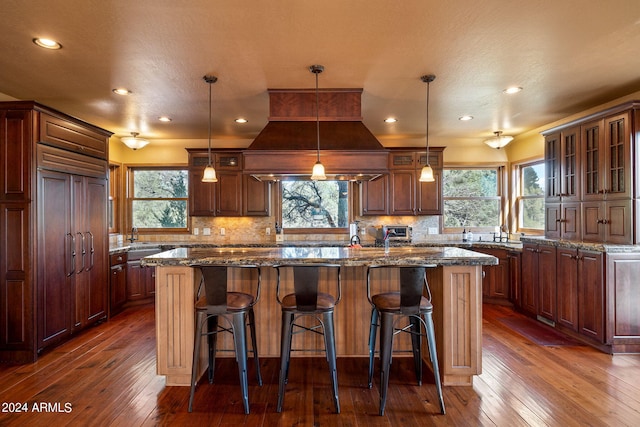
(389, 308)
(306, 301)
(235, 309)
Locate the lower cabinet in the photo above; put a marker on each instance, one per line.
(537, 296)
(496, 278)
(141, 281)
(118, 283)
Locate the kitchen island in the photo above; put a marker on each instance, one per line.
(455, 283)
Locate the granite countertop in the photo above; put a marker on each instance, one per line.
(333, 255)
(570, 244)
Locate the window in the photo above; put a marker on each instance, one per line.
(530, 198)
(158, 198)
(472, 198)
(318, 205)
(114, 200)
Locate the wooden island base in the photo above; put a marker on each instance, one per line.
(457, 301)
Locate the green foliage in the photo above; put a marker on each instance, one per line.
(471, 198)
(314, 204)
(155, 192)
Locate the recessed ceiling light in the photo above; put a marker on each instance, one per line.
(465, 118)
(390, 120)
(47, 43)
(512, 89)
(121, 91)
(241, 120)
(164, 119)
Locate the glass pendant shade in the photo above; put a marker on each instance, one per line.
(318, 172)
(209, 174)
(426, 175)
(498, 141)
(133, 142)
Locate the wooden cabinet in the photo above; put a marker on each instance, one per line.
(562, 170)
(374, 196)
(118, 283)
(495, 278)
(515, 273)
(538, 280)
(53, 223)
(140, 281)
(233, 194)
(590, 179)
(409, 196)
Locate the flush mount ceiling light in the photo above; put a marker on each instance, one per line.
(498, 141)
(209, 174)
(134, 142)
(390, 120)
(512, 90)
(241, 120)
(47, 43)
(426, 175)
(465, 118)
(318, 168)
(121, 91)
(164, 119)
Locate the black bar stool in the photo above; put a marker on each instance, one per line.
(389, 308)
(234, 308)
(307, 301)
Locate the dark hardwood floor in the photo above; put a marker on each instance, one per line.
(107, 377)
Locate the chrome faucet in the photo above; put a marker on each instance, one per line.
(134, 234)
(500, 237)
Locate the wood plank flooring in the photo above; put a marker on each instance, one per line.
(106, 377)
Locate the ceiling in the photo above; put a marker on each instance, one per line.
(567, 56)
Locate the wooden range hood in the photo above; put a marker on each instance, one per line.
(286, 147)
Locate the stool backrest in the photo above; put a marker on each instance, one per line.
(215, 284)
(413, 284)
(305, 284)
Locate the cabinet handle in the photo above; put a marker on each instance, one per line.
(72, 255)
(82, 251)
(91, 250)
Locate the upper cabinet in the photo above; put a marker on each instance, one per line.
(233, 194)
(401, 193)
(590, 164)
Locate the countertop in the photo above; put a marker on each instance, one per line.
(344, 256)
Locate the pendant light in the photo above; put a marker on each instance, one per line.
(426, 175)
(133, 142)
(318, 169)
(210, 172)
(498, 141)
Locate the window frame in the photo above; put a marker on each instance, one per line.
(130, 170)
(519, 197)
(501, 197)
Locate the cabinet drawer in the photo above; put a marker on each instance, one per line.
(72, 136)
(115, 259)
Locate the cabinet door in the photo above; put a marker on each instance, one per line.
(570, 173)
(373, 196)
(136, 284)
(618, 222)
(570, 221)
(547, 281)
(118, 294)
(591, 294)
(97, 249)
(228, 191)
(15, 152)
(529, 282)
(56, 263)
(201, 194)
(429, 195)
(515, 262)
(256, 197)
(567, 287)
(593, 228)
(402, 194)
(552, 221)
(149, 281)
(552, 167)
(16, 288)
(617, 167)
(592, 160)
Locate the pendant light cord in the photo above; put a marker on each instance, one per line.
(317, 115)
(428, 79)
(209, 123)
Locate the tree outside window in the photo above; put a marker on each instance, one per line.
(159, 198)
(315, 204)
(531, 197)
(471, 198)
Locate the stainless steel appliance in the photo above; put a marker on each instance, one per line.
(397, 233)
